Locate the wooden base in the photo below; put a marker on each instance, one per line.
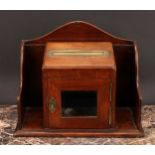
(33, 126)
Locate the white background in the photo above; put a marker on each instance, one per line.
(77, 4)
(77, 150)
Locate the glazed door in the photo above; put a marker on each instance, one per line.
(78, 104)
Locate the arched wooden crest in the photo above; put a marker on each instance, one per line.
(126, 56)
(78, 31)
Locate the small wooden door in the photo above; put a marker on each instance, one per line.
(77, 104)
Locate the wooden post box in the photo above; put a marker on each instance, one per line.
(79, 80)
(79, 85)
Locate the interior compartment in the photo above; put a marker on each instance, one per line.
(79, 103)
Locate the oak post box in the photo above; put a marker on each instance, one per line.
(79, 85)
(79, 80)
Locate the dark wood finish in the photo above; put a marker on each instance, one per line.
(128, 97)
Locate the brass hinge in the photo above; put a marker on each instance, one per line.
(110, 108)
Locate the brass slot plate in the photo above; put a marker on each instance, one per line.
(104, 53)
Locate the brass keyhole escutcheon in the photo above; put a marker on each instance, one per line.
(52, 104)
